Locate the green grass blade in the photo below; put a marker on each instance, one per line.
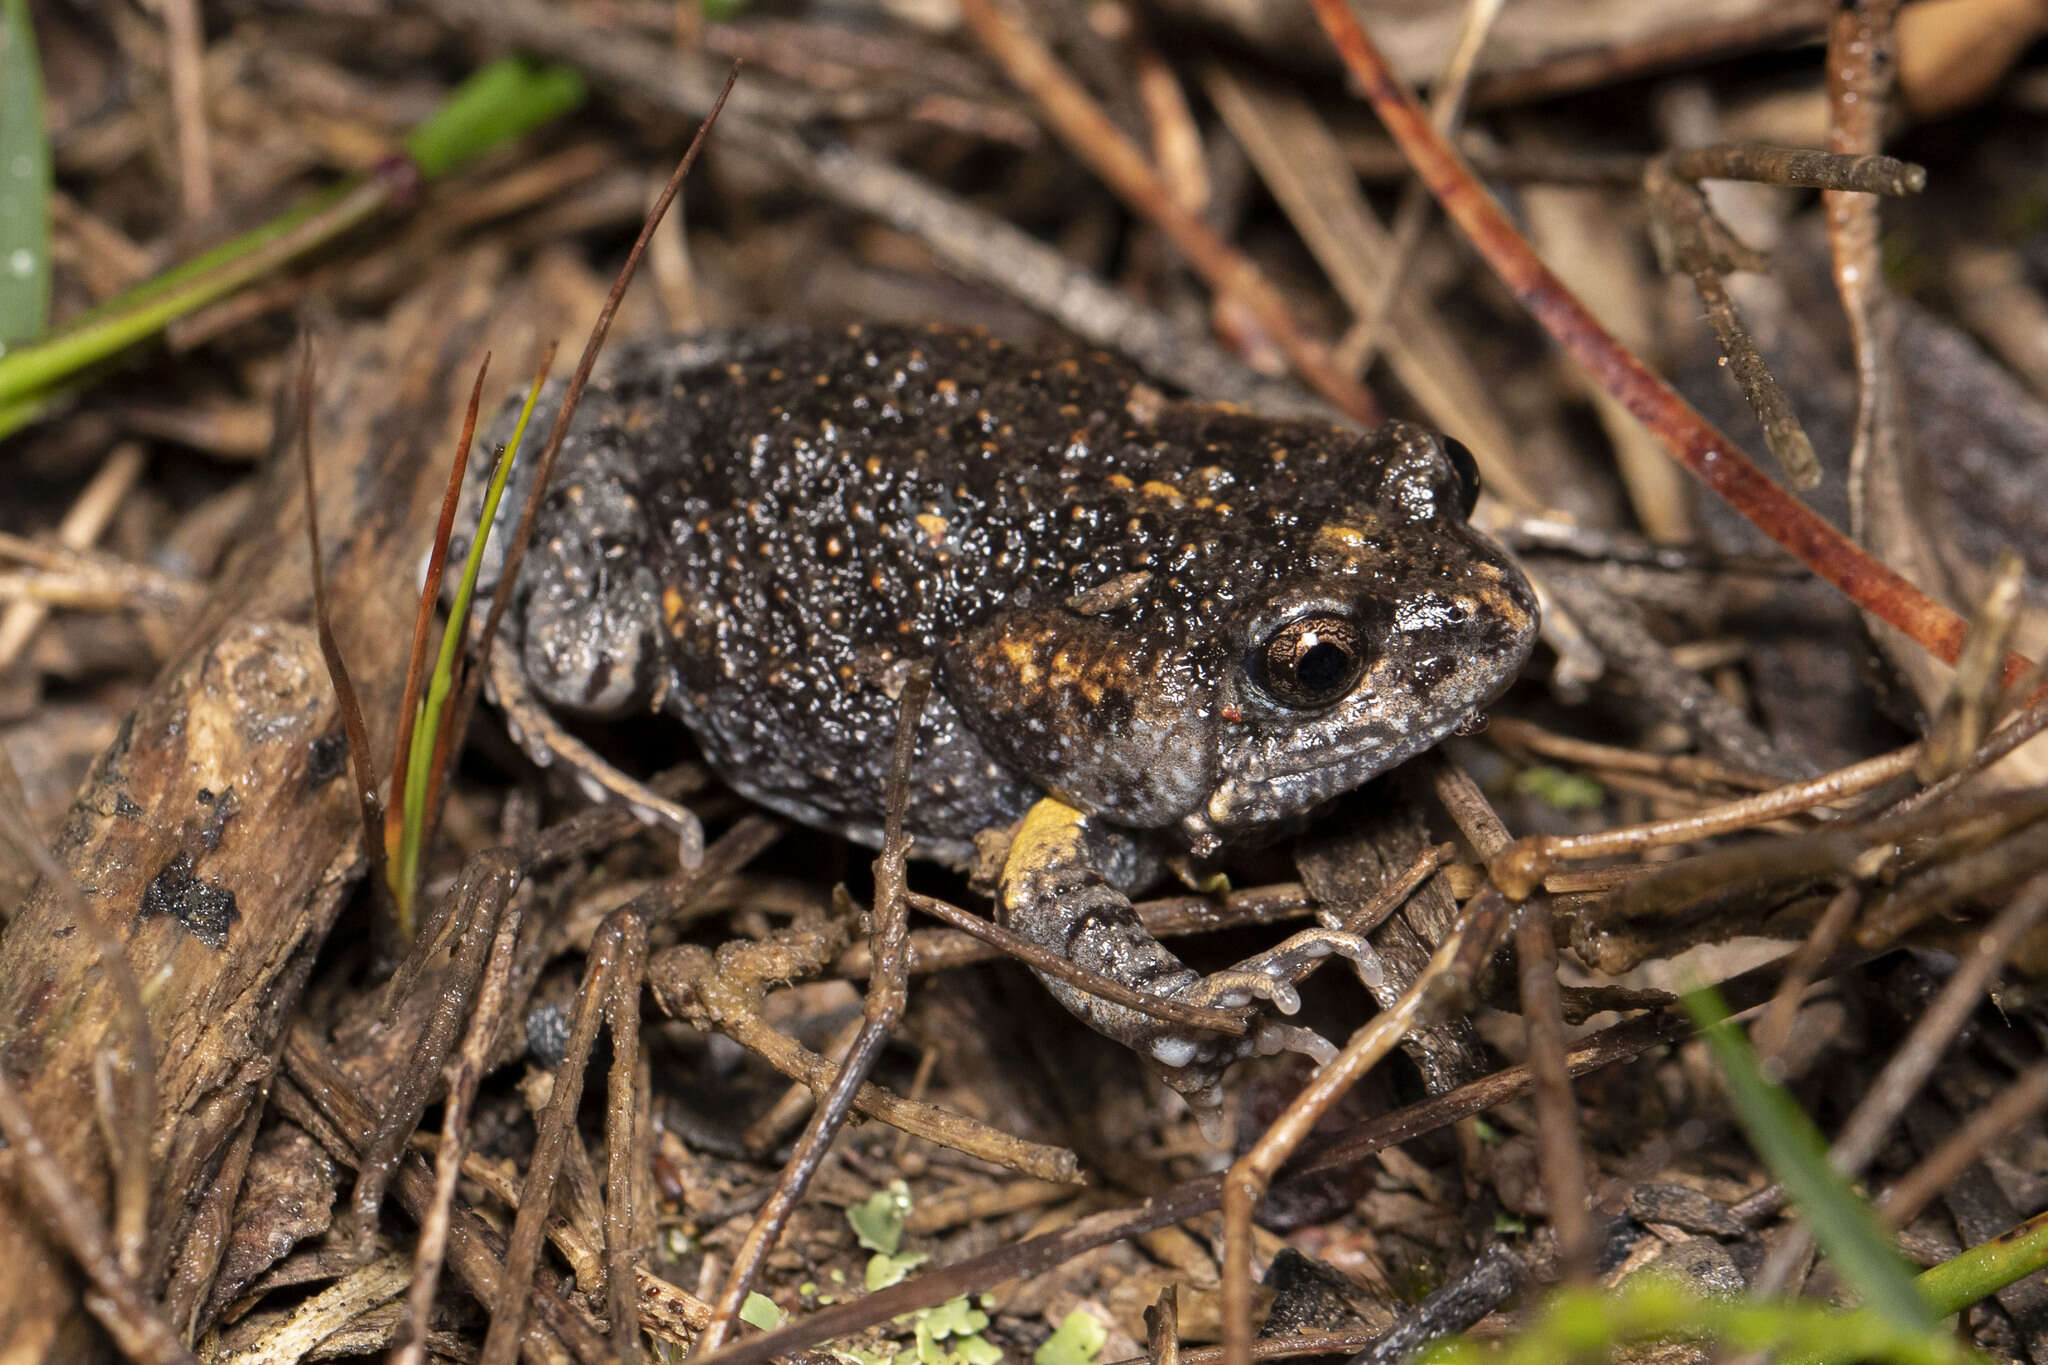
(419, 763)
(503, 101)
(500, 101)
(24, 181)
(1986, 1268)
(1793, 1149)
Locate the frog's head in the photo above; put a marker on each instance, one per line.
(1325, 629)
(1387, 624)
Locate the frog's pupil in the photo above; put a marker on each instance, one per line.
(1311, 661)
(1323, 667)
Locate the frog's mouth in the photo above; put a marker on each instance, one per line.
(1292, 773)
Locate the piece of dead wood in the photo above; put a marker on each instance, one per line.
(213, 837)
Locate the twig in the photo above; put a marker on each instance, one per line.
(185, 58)
(136, 1324)
(1009, 942)
(1520, 867)
(1190, 1199)
(2014, 1105)
(609, 955)
(1252, 1174)
(471, 1062)
(1561, 1148)
(1411, 216)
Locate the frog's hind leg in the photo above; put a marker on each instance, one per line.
(545, 740)
(1054, 893)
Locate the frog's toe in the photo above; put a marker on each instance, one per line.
(1272, 1036)
(1297, 956)
(1241, 985)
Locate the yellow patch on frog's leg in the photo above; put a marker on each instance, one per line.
(1050, 835)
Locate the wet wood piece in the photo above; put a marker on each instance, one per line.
(174, 838)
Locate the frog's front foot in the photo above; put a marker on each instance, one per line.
(1055, 894)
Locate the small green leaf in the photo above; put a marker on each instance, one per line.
(1077, 1341)
(24, 182)
(1560, 790)
(760, 1311)
(1794, 1151)
(878, 1222)
(978, 1350)
(956, 1317)
(884, 1270)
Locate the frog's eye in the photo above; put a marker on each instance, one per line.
(1467, 470)
(1311, 661)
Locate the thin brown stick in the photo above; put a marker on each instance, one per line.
(1686, 768)
(423, 615)
(1252, 1174)
(1520, 867)
(1561, 1148)
(475, 905)
(887, 991)
(557, 1125)
(1798, 168)
(361, 762)
(515, 549)
(1093, 137)
(622, 1011)
(1774, 1029)
(1411, 215)
(1692, 440)
(1690, 228)
(185, 62)
(81, 526)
